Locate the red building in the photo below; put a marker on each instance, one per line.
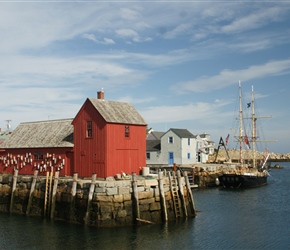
(109, 138)
(105, 137)
(44, 145)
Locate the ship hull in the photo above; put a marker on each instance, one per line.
(242, 181)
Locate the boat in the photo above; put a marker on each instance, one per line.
(244, 174)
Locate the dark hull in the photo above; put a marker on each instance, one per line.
(242, 181)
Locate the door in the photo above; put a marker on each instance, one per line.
(170, 158)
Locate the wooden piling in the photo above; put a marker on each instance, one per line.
(73, 194)
(193, 175)
(31, 192)
(162, 197)
(53, 196)
(191, 200)
(135, 197)
(13, 190)
(50, 191)
(90, 197)
(46, 194)
(181, 191)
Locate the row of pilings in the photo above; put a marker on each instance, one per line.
(100, 202)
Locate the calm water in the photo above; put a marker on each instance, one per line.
(251, 219)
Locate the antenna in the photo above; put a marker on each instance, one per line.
(8, 125)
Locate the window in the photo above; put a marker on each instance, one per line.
(127, 131)
(188, 141)
(188, 156)
(148, 156)
(170, 139)
(89, 129)
(38, 156)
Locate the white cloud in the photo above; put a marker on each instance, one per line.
(108, 41)
(174, 113)
(254, 20)
(228, 77)
(181, 29)
(132, 100)
(129, 14)
(93, 38)
(132, 35)
(124, 33)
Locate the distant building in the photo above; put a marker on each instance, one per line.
(177, 146)
(205, 147)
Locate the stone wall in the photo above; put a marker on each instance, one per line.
(94, 202)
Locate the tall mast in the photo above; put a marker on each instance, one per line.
(254, 137)
(241, 123)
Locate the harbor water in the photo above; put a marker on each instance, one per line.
(256, 218)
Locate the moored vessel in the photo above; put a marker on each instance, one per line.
(252, 174)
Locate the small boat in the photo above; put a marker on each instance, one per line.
(242, 175)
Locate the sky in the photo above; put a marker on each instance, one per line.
(177, 62)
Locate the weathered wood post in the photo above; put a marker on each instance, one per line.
(13, 189)
(162, 197)
(31, 192)
(181, 191)
(191, 200)
(73, 194)
(193, 175)
(90, 197)
(46, 193)
(53, 197)
(50, 192)
(135, 203)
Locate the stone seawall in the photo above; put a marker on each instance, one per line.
(247, 155)
(98, 202)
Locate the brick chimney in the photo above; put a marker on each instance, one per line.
(101, 94)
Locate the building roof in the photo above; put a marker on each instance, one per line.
(4, 135)
(117, 112)
(155, 135)
(182, 133)
(153, 145)
(42, 134)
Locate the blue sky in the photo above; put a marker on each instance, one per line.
(177, 62)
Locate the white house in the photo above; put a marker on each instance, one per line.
(205, 147)
(177, 146)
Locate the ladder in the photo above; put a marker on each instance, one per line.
(47, 195)
(174, 193)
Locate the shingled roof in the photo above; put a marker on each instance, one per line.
(182, 133)
(155, 135)
(153, 145)
(4, 135)
(117, 112)
(42, 134)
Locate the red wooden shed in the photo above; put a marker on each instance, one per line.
(42, 146)
(109, 138)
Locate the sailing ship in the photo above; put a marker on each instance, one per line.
(251, 174)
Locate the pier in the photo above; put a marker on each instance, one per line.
(130, 200)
